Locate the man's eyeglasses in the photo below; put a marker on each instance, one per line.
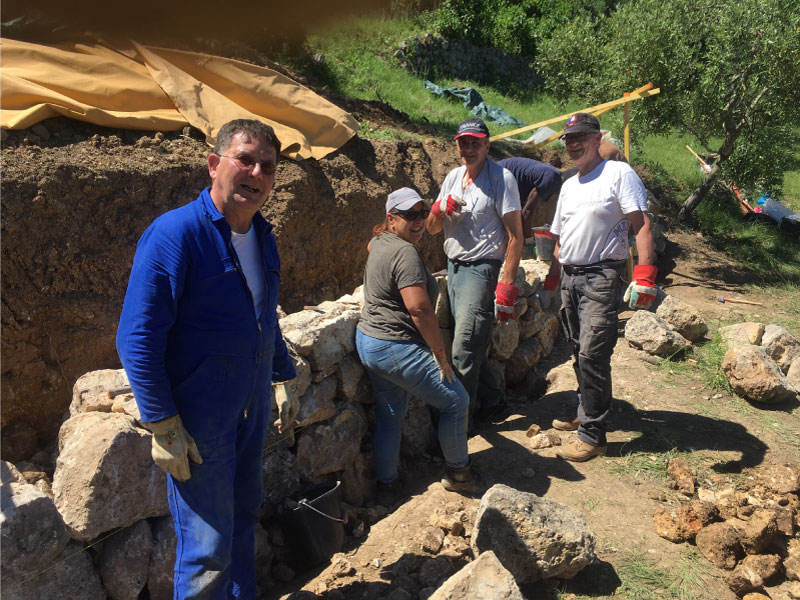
(412, 215)
(247, 163)
(576, 138)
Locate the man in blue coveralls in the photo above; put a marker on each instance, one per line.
(200, 342)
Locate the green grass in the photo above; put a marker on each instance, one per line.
(642, 579)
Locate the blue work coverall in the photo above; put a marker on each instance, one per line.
(191, 344)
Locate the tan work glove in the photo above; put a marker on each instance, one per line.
(173, 447)
(288, 404)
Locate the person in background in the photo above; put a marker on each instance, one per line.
(399, 343)
(594, 212)
(200, 342)
(478, 208)
(536, 182)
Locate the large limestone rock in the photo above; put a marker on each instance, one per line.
(682, 317)
(70, 574)
(747, 334)
(720, 543)
(483, 579)
(525, 357)
(525, 284)
(652, 334)
(317, 405)
(162, 559)
(325, 337)
(755, 376)
(547, 335)
(125, 561)
(793, 374)
(105, 476)
(303, 369)
(781, 346)
(32, 532)
(535, 272)
(505, 337)
(419, 435)
(333, 445)
(535, 538)
(90, 392)
(349, 375)
(532, 322)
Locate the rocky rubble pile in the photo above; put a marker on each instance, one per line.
(750, 530)
(670, 329)
(107, 493)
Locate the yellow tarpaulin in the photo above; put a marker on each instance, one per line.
(142, 87)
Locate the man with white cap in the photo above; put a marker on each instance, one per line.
(478, 208)
(594, 212)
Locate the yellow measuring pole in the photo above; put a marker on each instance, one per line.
(591, 109)
(596, 113)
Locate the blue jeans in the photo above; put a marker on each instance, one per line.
(399, 370)
(470, 288)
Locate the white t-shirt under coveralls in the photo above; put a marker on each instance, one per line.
(590, 216)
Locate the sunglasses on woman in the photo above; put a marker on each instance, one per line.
(412, 215)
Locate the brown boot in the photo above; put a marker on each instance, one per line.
(566, 424)
(579, 451)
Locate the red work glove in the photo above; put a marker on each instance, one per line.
(504, 301)
(642, 291)
(447, 206)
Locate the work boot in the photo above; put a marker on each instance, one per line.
(463, 480)
(389, 493)
(579, 451)
(566, 424)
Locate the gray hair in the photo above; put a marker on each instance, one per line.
(250, 128)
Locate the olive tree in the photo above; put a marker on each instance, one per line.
(729, 74)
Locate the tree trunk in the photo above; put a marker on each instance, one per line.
(697, 195)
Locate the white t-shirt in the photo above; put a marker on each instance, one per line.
(590, 216)
(249, 254)
(479, 232)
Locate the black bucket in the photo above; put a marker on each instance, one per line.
(314, 529)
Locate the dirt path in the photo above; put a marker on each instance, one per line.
(659, 411)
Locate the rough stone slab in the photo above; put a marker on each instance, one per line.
(323, 338)
(755, 376)
(752, 572)
(90, 391)
(10, 474)
(682, 523)
(781, 479)
(483, 579)
(535, 272)
(719, 543)
(442, 308)
(742, 334)
(652, 334)
(419, 435)
(525, 287)
(535, 538)
(505, 337)
(32, 532)
(781, 346)
(162, 559)
(531, 323)
(682, 317)
(793, 374)
(331, 446)
(547, 335)
(126, 404)
(71, 575)
(317, 404)
(279, 474)
(125, 561)
(349, 372)
(105, 476)
(757, 533)
(303, 369)
(525, 357)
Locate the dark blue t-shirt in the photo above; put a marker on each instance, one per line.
(531, 174)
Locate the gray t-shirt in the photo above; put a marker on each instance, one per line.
(393, 264)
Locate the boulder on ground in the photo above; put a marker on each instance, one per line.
(652, 334)
(755, 376)
(758, 532)
(682, 523)
(125, 561)
(483, 579)
(793, 374)
(683, 479)
(742, 334)
(781, 479)
(105, 477)
(682, 317)
(70, 574)
(90, 392)
(719, 543)
(32, 532)
(535, 538)
(781, 346)
(752, 573)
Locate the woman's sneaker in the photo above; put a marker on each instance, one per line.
(463, 480)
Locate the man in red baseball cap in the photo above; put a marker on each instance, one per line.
(479, 210)
(594, 212)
